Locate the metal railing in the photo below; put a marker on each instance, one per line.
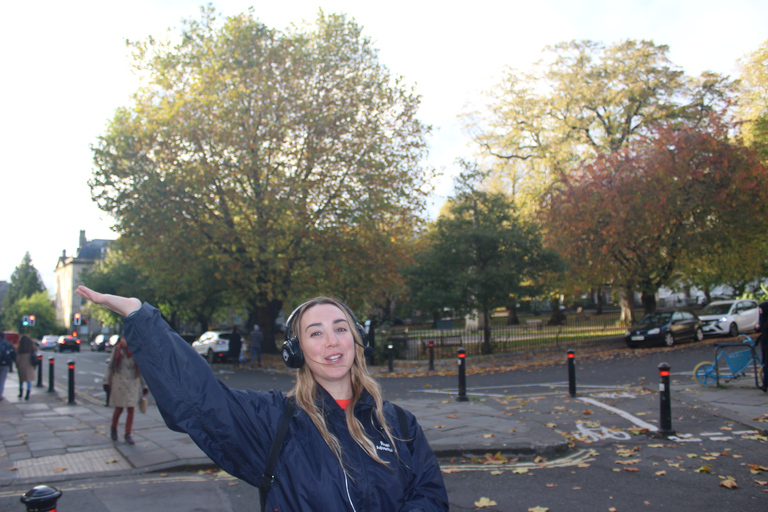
(530, 335)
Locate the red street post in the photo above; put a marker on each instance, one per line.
(40, 370)
(462, 376)
(41, 498)
(50, 375)
(71, 393)
(665, 421)
(431, 355)
(571, 373)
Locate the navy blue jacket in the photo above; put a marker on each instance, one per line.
(235, 428)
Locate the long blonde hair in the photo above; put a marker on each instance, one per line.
(306, 393)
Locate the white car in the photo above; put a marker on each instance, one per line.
(729, 317)
(213, 345)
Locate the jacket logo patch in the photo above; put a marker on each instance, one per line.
(386, 447)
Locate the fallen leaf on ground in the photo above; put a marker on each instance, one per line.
(59, 469)
(661, 473)
(520, 471)
(496, 472)
(729, 483)
(485, 502)
(538, 509)
(488, 436)
(703, 469)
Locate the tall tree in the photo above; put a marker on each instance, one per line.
(290, 157)
(40, 305)
(582, 101)
(753, 100)
(479, 256)
(674, 201)
(25, 282)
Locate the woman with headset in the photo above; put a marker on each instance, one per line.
(331, 443)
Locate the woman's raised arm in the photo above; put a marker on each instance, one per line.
(120, 305)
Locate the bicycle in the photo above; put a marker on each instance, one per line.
(729, 364)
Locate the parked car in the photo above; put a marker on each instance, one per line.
(68, 343)
(665, 328)
(213, 345)
(112, 342)
(48, 342)
(99, 343)
(729, 317)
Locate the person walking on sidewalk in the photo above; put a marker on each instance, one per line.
(27, 351)
(331, 443)
(235, 347)
(125, 385)
(255, 340)
(7, 358)
(762, 328)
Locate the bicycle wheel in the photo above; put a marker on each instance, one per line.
(705, 374)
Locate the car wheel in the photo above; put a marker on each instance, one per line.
(699, 334)
(669, 340)
(733, 330)
(211, 357)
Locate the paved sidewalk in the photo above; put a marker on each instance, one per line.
(45, 440)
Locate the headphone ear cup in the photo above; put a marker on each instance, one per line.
(293, 357)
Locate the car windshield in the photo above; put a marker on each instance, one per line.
(655, 318)
(716, 309)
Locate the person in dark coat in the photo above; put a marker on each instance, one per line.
(235, 346)
(345, 448)
(762, 340)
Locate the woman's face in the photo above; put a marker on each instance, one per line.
(329, 348)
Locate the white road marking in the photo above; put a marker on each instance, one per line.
(624, 414)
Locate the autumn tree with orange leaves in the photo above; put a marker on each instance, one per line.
(670, 202)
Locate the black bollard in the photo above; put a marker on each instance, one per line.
(665, 421)
(40, 370)
(50, 375)
(71, 394)
(462, 376)
(41, 498)
(431, 355)
(391, 356)
(571, 373)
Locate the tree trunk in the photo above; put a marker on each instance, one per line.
(264, 317)
(512, 318)
(487, 349)
(558, 317)
(600, 302)
(649, 302)
(627, 304)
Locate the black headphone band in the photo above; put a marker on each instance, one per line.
(292, 354)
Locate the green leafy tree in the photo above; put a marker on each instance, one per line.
(753, 100)
(25, 282)
(288, 160)
(40, 305)
(480, 255)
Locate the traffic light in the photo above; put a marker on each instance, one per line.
(77, 318)
(25, 320)
(31, 320)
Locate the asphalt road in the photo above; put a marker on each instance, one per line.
(614, 465)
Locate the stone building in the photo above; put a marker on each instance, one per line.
(68, 272)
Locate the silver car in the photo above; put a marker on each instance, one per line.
(729, 317)
(213, 345)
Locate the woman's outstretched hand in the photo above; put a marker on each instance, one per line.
(121, 305)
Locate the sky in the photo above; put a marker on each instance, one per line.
(66, 70)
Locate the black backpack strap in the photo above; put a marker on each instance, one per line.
(269, 470)
(403, 420)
